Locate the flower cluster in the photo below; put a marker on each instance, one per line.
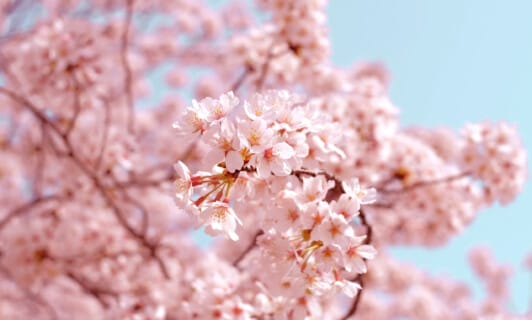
(491, 151)
(291, 46)
(271, 135)
(63, 60)
(267, 151)
(300, 169)
(311, 245)
(400, 290)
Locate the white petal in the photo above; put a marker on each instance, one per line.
(369, 196)
(283, 150)
(234, 161)
(233, 236)
(350, 288)
(182, 170)
(263, 169)
(366, 251)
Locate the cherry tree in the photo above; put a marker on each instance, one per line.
(299, 170)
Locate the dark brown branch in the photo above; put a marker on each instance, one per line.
(369, 230)
(303, 172)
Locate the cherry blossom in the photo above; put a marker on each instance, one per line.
(128, 129)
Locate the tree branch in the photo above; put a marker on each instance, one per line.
(248, 249)
(240, 80)
(356, 301)
(91, 289)
(25, 208)
(128, 79)
(31, 296)
(100, 187)
(425, 183)
(369, 237)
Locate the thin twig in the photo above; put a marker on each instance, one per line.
(95, 291)
(77, 110)
(240, 80)
(356, 301)
(31, 296)
(425, 183)
(105, 136)
(248, 249)
(144, 212)
(360, 278)
(302, 172)
(25, 208)
(146, 183)
(100, 188)
(266, 67)
(369, 229)
(128, 85)
(39, 167)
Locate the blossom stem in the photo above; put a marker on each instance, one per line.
(97, 183)
(425, 183)
(356, 301)
(128, 78)
(248, 249)
(25, 208)
(240, 80)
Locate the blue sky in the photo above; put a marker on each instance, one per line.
(453, 62)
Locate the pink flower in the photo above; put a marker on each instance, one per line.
(347, 206)
(365, 196)
(328, 258)
(314, 189)
(255, 135)
(219, 108)
(194, 121)
(493, 150)
(183, 184)
(349, 288)
(218, 217)
(257, 108)
(355, 255)
(225, 145)
(334, 229)
(274, 160)
(286, 216)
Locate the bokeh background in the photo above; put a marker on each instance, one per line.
(453, 62)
